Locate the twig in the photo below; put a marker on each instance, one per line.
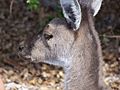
(11, 7)
(111, 36)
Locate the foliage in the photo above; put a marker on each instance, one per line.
(33, 4)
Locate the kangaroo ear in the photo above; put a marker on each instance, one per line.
(96, 5)
(72, 12)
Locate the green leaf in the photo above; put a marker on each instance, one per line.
(33, 4)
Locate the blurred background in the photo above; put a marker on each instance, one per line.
(20, 19)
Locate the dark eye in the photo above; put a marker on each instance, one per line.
(48, 36)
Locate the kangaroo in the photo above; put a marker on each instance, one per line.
(78, 52)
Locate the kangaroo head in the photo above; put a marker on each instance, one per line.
(52, 45)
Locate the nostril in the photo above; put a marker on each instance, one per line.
(21, 48)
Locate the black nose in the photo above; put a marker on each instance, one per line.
(21, 48)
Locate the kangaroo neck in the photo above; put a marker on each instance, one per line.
(82, 71)
(81, 75)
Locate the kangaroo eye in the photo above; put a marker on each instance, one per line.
(48, 36)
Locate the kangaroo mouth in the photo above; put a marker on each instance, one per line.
(25, 57)
(30, 57)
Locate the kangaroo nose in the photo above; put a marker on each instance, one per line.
(21, 48)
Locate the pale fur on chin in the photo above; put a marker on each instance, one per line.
(62, 62)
